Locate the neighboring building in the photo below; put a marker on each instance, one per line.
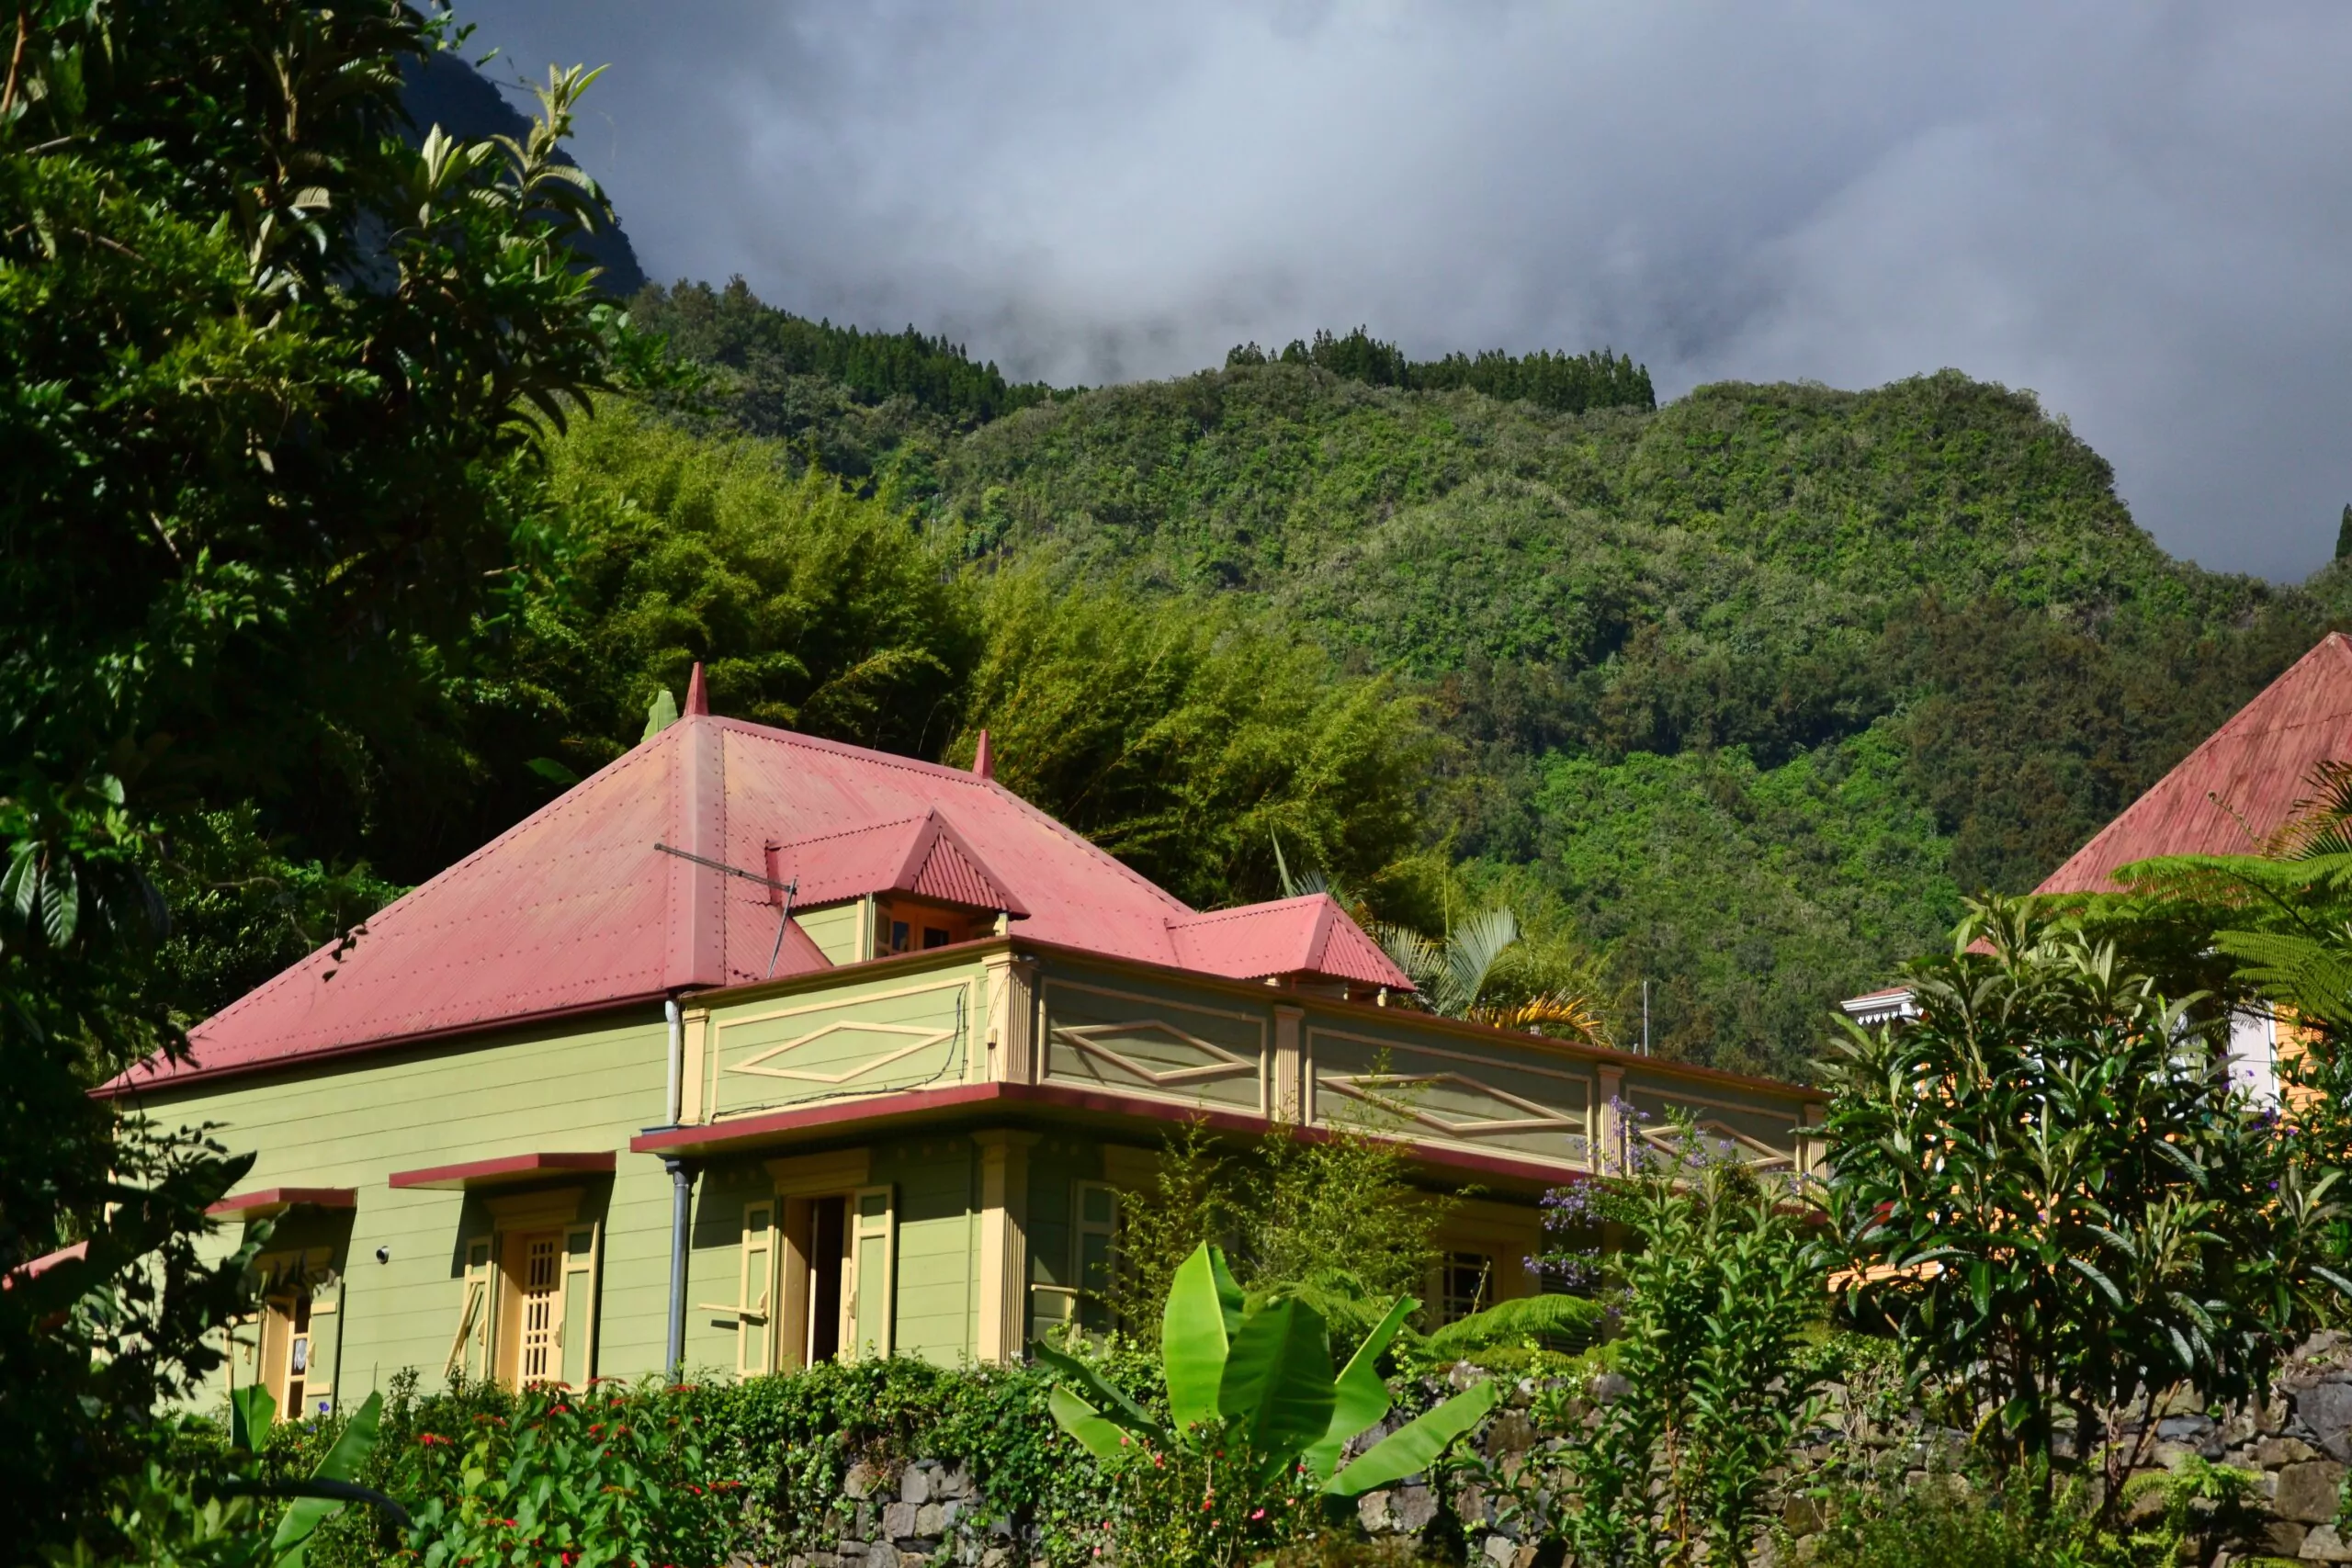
(867, 1049)
(2228, 797)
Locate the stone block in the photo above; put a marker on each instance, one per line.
(2272, 1452)
(1371, 1512)
(2283, 1538)
(1509, 1434)
(2326, 1409)
(1413, 1508)
(858, 1484)
(899, 1520)
(2309, 1491)
(1499, 1549)
(996, 1557)
(914, 1486)
(2324, 1545)
(931, 1521)
(957, 1483)
(1800, 1516)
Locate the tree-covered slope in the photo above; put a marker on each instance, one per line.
(1759, 683)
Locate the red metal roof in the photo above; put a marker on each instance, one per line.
(1306, 935)
(2237, 788)
(922, 854)
(504, 1170)
(576, 908)
(277, 1199)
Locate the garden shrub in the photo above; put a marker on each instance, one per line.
(587, 1478)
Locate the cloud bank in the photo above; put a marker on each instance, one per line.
(2138, 210)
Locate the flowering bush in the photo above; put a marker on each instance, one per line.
(576, 1480)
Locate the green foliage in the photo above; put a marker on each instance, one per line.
(1947, 1521)
(275, 377)
(1718, 1293)
(1335, 1222)
(1564, 383)
(768, 349)
(1185, 736)
(809, 607)
(2047, 1187)
(1256, 1420)
(591, 1477)
(241, 911)
(1752, 897)
(220, 1516)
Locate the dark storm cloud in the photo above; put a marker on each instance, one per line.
(2141, 211)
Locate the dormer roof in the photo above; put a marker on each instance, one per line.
(920, 854)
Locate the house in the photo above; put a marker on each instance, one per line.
(2228, 797)
(755, 1049)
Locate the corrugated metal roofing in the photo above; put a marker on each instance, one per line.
(1308, 935)
(576, 907)
(2237, 788)
(922, 854)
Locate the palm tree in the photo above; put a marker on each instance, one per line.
(1464, 974)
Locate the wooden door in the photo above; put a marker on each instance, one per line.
(531, 1337)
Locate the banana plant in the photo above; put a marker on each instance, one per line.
(1257, 1375)
(322, 1495)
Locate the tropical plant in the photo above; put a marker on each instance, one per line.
(1715, 1301)
(277, 376)
(159, 1515)
(1336, 1221)
(2049, 1188)
(1253, 1405)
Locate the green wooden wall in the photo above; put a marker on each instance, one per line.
(566, 1088)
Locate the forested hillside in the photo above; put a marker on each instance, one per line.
(1759, 683)
(1738, 696)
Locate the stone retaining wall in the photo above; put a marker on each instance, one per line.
(2299, 1443)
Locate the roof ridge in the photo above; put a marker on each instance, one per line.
(874, 827)
(1209, 916)
(961, 776)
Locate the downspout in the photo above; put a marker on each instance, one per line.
(677, 1061)
(681, 1186)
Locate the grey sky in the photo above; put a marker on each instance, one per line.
(2138, 209)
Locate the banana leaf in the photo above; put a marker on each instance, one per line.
(1413, 1447)
(306, 1514)
(1360, 1397)
(1107, 1401)
(1276, 1394)
(1194, 1339)
(1098, 1435)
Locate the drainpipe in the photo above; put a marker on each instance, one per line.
(677, 1061)
(681, 1187)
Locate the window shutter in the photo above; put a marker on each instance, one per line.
(582, 1252)
(326, 1336)
(755, 1319)
(874, 1238)
(1095, 1233)
(470, 1346)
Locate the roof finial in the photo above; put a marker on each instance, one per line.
(697, 695)
(983, 758)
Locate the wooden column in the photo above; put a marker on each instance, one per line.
(1013, 1005)
(1291, 1103)
(1003, 1261)
(1610, 1152)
